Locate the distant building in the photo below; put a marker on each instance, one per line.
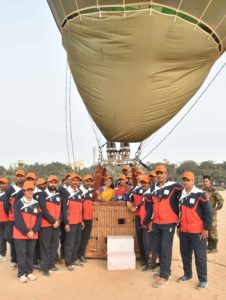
(19, 164)
(79, 165)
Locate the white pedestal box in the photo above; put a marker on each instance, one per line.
(120, 253)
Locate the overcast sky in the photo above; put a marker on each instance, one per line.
(32, 93)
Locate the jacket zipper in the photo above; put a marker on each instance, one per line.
(55, 210)
(186, 217)
(30, 223)
(158, 211)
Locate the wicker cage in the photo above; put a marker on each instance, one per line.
(109, 218)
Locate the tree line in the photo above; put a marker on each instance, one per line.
(217, 171)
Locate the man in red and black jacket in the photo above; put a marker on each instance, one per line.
(145, 182)
(134, 203)
(87, 204)
(73, 221)
(147, 233)
(3, 218)
(194, 224)
(25, 231)
(14, 191)
(164, 208)
(50, 202)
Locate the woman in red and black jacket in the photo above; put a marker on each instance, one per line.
(3, 218)
(194, 224)
(50, 201)
(87, 204)
(25, 231)
(73, 222)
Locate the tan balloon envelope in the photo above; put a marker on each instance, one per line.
(136, 66)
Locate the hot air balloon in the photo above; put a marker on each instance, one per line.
(137, 63)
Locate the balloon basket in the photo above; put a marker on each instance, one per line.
(111, 218)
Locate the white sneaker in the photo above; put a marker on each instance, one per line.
(2, 258)
(23, 279)
(12, 266)
(31, 277)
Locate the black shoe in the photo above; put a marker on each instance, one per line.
(61, 257)
(157, 264)
(37, 267)
(54, 269)
(82, 259)
(154, 268)
(146, 269)
(45, 273)
(78, 264)
(60, 261)
(202, 285)
(212, 251)
(142, 262)
(184, 278)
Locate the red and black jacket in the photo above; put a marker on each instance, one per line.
(12, 194)
(121, 192)
(50, 205)
(27, 218)
(136, 197)
(72, 207)
(37, 193)
(87, 203)
(143, 209)
(145, 203)
(164, 204)
(3, 214)
(195, 212)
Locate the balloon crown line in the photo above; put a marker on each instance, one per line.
(147, 6)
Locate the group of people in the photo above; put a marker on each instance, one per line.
(37, 214)
(162, 207)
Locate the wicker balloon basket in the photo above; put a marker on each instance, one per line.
(109, 218)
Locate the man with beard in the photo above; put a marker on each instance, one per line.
(50, 203)
(73, 221)
(216, 201)
(87, 204)
(14, 191)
